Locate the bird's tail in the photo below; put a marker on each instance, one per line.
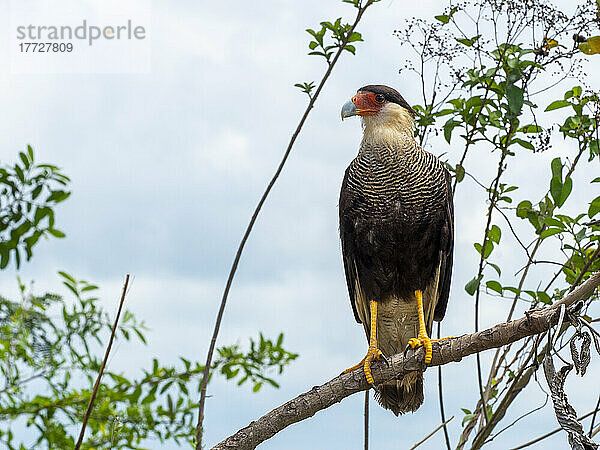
(401, 396)
(397, 322)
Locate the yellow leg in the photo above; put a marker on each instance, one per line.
(373, 352)
(422, 338)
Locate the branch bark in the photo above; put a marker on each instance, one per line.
(444, 352)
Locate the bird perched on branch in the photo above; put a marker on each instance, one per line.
(397, 232)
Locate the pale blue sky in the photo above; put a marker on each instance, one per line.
(167, 167)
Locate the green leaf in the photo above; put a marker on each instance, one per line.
(494, 286)
(514, 95)
(58, 196)
(594, 147)
(448, 127)
(556, 166)
(56, 233)
(557, 104)
(443, 18)
(531, 129)
(355, 36)
(495, 267)
(544, 298)
(551, 221)
(514, 290)
(472, 285)
(556, 185)
(469, 42)
(66, 276)
(523, 208)
(91, 287)
(594, 207)
(460, 173)
(567, 187)
(488, 249)
(4, 255)
(23, 157)
(494, 234)
(550, 232)
(525, 144)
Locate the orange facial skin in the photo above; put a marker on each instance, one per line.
(366, 104)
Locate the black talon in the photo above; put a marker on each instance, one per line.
(386, 359)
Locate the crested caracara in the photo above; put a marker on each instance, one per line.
(397, 233)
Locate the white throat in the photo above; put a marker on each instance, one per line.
(393, 123)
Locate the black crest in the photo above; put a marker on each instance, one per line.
(390, 94)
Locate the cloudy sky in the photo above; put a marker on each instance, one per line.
(167, 166)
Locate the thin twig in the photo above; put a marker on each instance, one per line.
(594, 416)
(493, 199)
(441, 396)
(238, 254)
(367, 419)
(522, 416)
(541, 438)
(97, 384)
(585, 268)
(441, 425)
(471, 133)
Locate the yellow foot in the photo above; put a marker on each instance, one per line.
(425, 342)
(373, 353)
(356, 366)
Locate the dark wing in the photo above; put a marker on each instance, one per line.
(348, 244)
(446, 251)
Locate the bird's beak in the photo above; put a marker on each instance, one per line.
(349, 109)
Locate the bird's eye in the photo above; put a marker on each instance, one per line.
(379, 98)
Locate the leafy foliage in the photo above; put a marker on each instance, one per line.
(333, 37)
(50, 346)
(339, 34)
(49, 359)
(29, 193)
(482, 67)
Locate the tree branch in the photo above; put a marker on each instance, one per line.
(344, 385)
(97, 384)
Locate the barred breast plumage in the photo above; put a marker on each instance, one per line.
(396, 230)
(393, 206)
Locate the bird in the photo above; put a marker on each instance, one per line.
(396, 222)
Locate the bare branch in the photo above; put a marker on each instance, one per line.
(320, 397)
(367, 420)
(441, 425)
(441, 396)
(97, 384)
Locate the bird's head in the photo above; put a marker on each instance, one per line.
(382, 109)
